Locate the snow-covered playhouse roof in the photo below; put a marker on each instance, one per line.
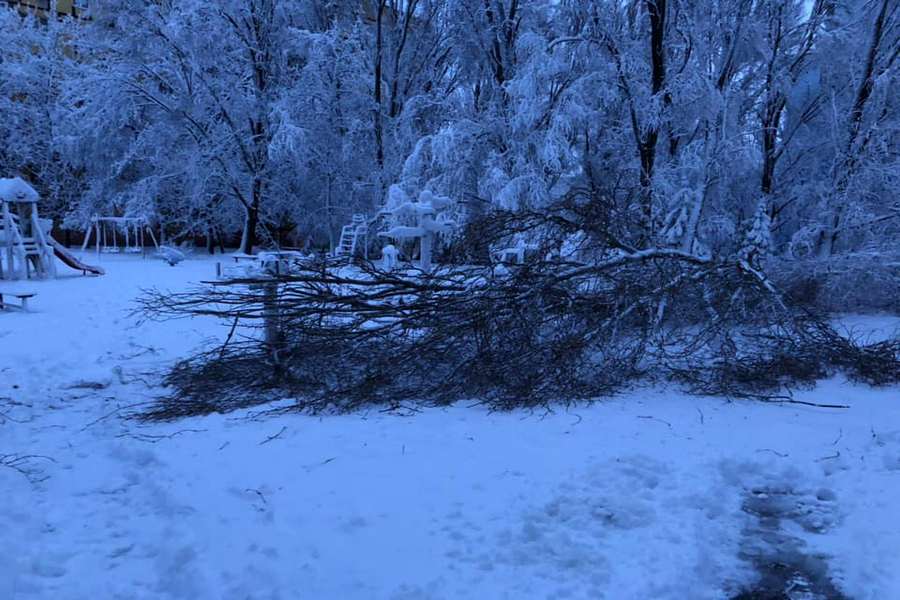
(17, 190)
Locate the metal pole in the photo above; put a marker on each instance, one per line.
(87, 236)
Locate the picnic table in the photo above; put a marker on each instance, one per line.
(273, 262)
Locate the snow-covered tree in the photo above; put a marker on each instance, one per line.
(38, 71)
(661, 121)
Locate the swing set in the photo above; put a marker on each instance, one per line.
(107, 232)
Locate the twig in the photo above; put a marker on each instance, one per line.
(840, 435)
(115, 412)
(4, 417)
(228, 339)
(258, 493)
(309, 468)
(88, 385)
(837, 454)
(775, 400)
(153, 439)
(274, 437)
(669, 425)
(21, 464)
(775, 452)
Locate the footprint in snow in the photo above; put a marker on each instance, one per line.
(785, 568)
(564, 540)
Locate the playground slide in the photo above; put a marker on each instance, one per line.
(63, 254)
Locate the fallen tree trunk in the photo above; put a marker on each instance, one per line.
(549, 330)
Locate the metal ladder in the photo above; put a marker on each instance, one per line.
(350, 235)
(26, 247)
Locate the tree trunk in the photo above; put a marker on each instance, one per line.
(248, 239)
(251, 220)
(656, 10)
(647, 150)
(379, 53)
(829, 235)
(770, 125)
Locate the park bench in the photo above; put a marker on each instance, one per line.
(22, 298)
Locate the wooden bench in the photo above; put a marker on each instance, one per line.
(23, 301)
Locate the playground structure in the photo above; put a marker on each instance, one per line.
(401, 220)
(25, 250)
(107, 232)
(27, 247)
(404, 220)
(354, 237)
(421, 220)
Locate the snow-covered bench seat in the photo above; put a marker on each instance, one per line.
(22, 298)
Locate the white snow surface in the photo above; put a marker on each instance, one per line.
(639, 496)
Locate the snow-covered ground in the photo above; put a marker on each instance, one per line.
(649, 495)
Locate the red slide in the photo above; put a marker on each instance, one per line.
(63, 254)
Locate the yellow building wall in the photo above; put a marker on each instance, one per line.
(63, 7)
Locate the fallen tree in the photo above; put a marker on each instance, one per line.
(554, 329)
